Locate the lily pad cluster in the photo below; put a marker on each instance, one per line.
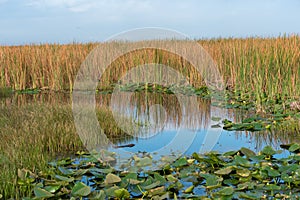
(241, 174)
(257, 123)
(150, 87)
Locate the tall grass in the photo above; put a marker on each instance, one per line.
(32, 134)
(268, 66)
(41, 66)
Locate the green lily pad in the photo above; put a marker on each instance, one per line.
(243, 172)
(189, 189)
(157, 191)
(41, 193)
(287, 178)
(65, 171)
(100, 170)
(171, 178)
(80, 189)
(111, 191)
(224, 171)
(132, 178)
(238, 160)
(230, 153)
(152, 185)
(231, 182)
(63, 178)
(226, 191)
(271, 172)
(247, 152)
(112, 178)
(249, 120)
(52, 188)
(180, 162)
(294, 147)
(97, 195)
(288, 168)
(257, 158)
(211, 179)
(242, 186)
(122, 193)
(272, 187)
(268, 150)
(142, 162)
(159, 178)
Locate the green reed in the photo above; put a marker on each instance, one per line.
(240, 61)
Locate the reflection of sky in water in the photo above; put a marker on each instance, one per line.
(192, 122)
(228, 141)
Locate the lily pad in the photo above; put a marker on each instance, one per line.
(64, 178)
(243, 172)
(122, 193)
(189, 189)
(226, 191)
(294, 147)
(80, 189)
(224, 171)
(247, 152)
(112, 178)
(238, 160)
(41, 193)
(268, 150)
(180, 162)
(52, 188)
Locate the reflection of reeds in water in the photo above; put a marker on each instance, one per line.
(138, 113)
(173, 115)
(43, 97)
(273, 138)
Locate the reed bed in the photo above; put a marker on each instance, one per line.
(268, 66)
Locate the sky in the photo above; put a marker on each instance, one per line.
(67, 21)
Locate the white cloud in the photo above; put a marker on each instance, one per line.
(86, 5)
(72, 5)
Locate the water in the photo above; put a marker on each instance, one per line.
(162, 124)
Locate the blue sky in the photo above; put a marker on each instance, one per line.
(65, 21)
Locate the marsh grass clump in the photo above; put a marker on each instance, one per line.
(33, 134)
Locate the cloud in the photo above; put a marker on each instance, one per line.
(86, 5)
(71, 5)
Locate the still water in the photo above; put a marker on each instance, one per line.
(163, 124)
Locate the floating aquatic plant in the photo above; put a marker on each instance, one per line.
(240, 174)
